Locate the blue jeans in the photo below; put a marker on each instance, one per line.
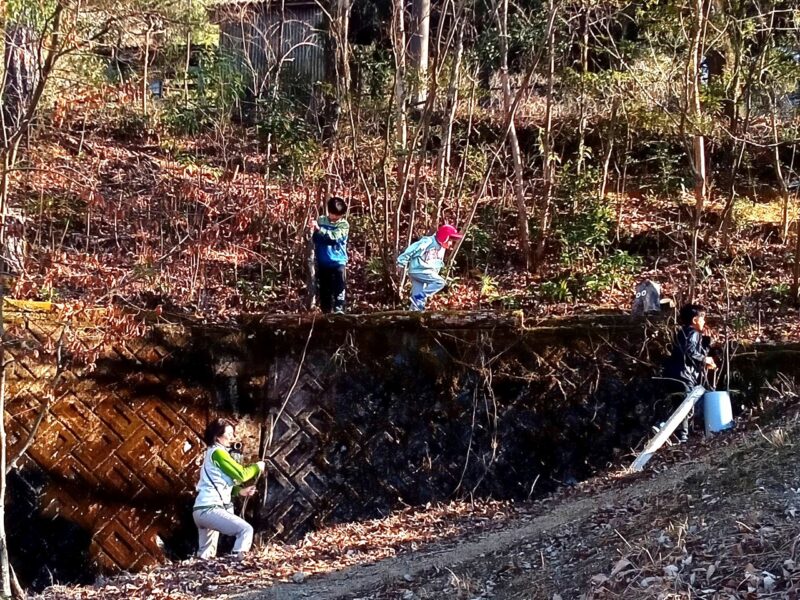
(423, 286)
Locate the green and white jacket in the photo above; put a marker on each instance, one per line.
(220, 477)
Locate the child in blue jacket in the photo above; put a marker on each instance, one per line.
(424, 259)
(330, 244)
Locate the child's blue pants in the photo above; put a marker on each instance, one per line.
(423, 286)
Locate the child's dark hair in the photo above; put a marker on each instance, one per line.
(337, 206)
(689, 312)
(215, 429)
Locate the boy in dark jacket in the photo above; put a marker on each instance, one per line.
(689, 358)
(330, 244)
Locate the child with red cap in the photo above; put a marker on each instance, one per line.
(424, 259)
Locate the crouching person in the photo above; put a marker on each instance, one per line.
(221, 478)
(424, 259)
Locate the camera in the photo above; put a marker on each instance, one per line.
(236, 451)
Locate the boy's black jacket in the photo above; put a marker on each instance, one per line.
(687, 359)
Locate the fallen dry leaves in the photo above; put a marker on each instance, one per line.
(323, 551)
(171, 224)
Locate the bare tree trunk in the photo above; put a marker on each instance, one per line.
(547, 139)
(523, 230)
(23, 86)
(400, 106)
(5, 568)
(445, 151)
(339, 28)
(582, 119)
(796, 270)
(146, 67)
(698, 151)
(612, 131)
(188, 61)
(20, 77)
(420, 42)
(776, 160)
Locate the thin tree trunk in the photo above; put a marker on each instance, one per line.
(145, 73)
(420, 43)
(547, 140)
(782, 180)
(796, 272)
(443, 163)
(400, 119)
(612, 131)
(187, 63)
(582, 119)
(523, 230)
(5, 568)
(698, 151)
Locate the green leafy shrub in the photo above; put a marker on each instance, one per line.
(556, 291)
(584, 223)
(612, 272)
(478, 245)
(216, 87)
(294, 144)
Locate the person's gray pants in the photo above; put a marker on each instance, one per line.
(696, 392)
(213, 521)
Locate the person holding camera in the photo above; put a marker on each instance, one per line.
(221, 477)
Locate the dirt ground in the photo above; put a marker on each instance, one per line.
(715, 518)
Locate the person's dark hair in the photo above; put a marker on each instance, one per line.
(215, 429)
(337, 206)
(689, 312)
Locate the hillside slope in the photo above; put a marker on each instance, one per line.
(712, 519)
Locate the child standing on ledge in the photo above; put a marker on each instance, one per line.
(424, 259)
(330, 245)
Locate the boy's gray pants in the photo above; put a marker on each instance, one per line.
(696, 392)
(213, 521)
(424, 285)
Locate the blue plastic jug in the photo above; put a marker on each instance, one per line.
(717, 411)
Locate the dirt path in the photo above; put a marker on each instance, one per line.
(361, 580)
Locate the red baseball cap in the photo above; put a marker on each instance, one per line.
(445, 232)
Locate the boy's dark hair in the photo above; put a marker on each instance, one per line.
(337, 206)
(689, 312)
(215, 429)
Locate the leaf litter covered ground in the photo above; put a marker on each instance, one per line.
(712, 519)
(168, 225)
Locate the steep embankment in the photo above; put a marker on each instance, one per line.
(707, 520)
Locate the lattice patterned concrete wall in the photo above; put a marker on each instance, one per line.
(112, 456)
(380, 414)
(120, 443)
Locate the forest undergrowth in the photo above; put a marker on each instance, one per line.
(109, 212)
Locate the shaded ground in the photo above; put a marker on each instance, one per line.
(718, 519)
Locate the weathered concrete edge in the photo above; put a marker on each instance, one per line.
(512, 321)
